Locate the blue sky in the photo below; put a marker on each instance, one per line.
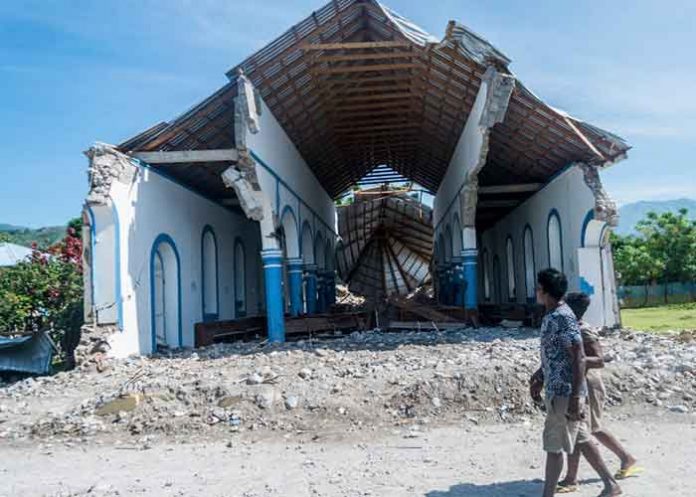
(78, 71)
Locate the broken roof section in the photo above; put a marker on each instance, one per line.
(386, 243)
(356, 85)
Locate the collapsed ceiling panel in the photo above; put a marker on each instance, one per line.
(386, 243)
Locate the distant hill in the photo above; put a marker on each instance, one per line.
(20, 235)
(10, 227)
(630, 214)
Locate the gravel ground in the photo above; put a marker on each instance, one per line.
(262, 420)
(464, 460)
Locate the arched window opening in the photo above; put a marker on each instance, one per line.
(240, 298)
(510, 260)
(165, 293)
(555, 241)
(209, 276)
(307, 244)
(486, 277)
(448, 245)
(497, 281)
(456, 237)
(529, 269)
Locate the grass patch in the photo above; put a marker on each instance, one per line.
(676, 317)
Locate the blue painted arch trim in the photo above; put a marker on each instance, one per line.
(92, 244)
(449, 241)
(528, 228)
(554, 213)
(117, 262)
(280, 181)
(318, 241)
(311, 235)
(213, 316)
(456, 232)
(240, 313)
(588, 217)
(511, 298)
(288, 209)
(164, 238)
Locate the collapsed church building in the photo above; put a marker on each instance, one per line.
(227, 212)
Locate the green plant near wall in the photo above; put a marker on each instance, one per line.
(46, 291)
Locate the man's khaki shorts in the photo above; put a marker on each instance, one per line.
(561, 434)
(596, 404)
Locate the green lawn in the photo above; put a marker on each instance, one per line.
(675, 317)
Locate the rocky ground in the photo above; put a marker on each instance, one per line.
(358, 389)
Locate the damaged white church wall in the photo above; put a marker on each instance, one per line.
(568, 199)
(155, 208)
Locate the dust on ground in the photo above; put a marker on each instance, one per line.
(430, 414)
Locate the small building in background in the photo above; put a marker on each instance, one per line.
(11, 254)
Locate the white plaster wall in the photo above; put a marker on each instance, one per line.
(153, 205)
(464, 159)
(571, 197)
(273, 146)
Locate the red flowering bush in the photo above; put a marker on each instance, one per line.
(45, 291)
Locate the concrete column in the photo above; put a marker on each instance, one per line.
(273, 276)
(295, 285)
(311, 287)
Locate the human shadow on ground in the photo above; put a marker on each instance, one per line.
(519, 488)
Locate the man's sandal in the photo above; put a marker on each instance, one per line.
(567, 488)
(622, 474)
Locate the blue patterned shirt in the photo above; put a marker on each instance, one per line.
(559, 331)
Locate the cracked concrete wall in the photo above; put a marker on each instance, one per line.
(289, 184)
(461, 178)
(149, 205)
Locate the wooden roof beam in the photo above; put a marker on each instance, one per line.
(514, 188)
(366, 56)
(364, 68)
(356, 45)
(188, 156)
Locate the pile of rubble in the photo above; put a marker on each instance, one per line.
(365, 381)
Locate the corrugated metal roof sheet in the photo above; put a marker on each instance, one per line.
(28, 354)
(11, 254)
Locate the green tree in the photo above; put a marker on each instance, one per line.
(634, 262)
(671, 237)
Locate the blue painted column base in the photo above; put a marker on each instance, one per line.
(311, 288)
(273, 276)
(470, 258)
(295, 285)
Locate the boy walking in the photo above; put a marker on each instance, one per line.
(562, 377)
(594, 361)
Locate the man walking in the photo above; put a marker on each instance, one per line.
(562, 377)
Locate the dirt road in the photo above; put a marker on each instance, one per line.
(467, 460)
